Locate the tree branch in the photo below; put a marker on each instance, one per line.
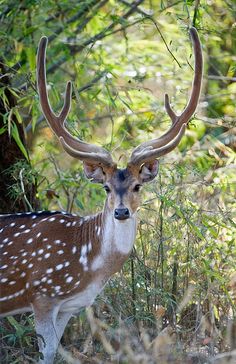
(61, 28)
(149, 16)
(104, 33)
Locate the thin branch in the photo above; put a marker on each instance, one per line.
(222, 78)
(104, 33)
(143, 12)
(149, 16)
(87, 20)
(77, 16)
(61, 28)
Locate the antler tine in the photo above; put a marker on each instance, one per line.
(151, 147)
(72, 145)
(169, 109)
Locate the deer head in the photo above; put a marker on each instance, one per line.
(122, 186)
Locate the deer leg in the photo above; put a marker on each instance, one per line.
(45, 326)
(50, 325)
(61, 322)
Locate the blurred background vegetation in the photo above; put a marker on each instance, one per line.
(175, 298)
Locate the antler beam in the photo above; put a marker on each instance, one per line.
(160, 146)
(74, 146)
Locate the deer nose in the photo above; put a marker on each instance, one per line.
(122, 214)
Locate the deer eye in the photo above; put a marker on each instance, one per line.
(137, 188)
(107, 189)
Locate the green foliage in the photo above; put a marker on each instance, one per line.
(18, 340)
(121, 66)
(23, 176)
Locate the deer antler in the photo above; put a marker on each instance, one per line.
(156, 148)
(74, 146)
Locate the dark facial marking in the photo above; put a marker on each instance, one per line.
(122, 181)
(122, 174)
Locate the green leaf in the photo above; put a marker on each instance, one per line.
(79, 204)
(16, 325)
(31, 58)
(16, 137)
(2, 130)
(18, 116)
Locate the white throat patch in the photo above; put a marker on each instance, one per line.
(119, 235)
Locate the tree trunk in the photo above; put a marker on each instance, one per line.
(17, 192)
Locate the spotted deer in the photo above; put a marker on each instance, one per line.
(54, 263)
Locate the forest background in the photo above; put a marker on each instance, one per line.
(175, 298)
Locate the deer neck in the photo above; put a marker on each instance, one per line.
(118, 235)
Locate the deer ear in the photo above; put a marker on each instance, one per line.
(94, 172)
(148, 171)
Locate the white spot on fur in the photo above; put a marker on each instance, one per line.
(26, 231)
(57, 288)
(98, 230)
(69, 279)
(59, 266)
(4, 266)
(3, 280)
(74, 249)
(89, 246)
(36, 283)
(83, 258)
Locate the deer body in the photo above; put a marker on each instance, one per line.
(55, 263)
(67, 251)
